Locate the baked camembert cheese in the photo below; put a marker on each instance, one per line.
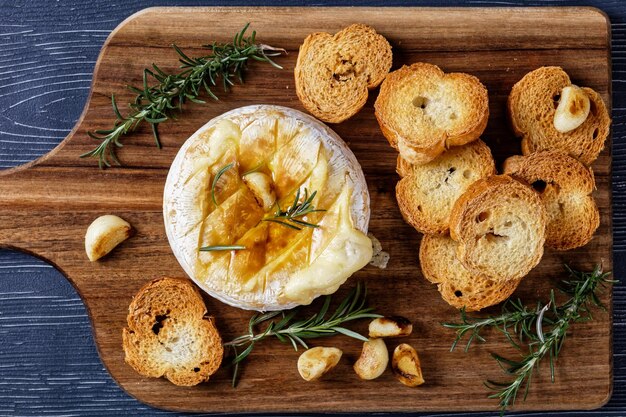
(229, 185)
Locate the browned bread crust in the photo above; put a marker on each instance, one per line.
(427, 192)
(422, 111)
(459, 287)
(169, 335)
(499, 223)
(565, 186)
(532, 104)
(333, 73)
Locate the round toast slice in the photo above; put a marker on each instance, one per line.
(458, 286)
(565, 186)
(422, 111)
(532, 105)
(426, 193)
(500, 224)
(334, 73)
(169, 335)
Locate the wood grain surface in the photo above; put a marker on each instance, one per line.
(46, 207)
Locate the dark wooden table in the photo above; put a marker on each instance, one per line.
(48, 362)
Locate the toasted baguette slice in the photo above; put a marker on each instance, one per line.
(532, 104)
(422, 111)
(459, 287)
(565, 186)
(500, 224)
(426, 193)
(169, 336)
(333, 73)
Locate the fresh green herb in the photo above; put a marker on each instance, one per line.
(287, 330)
(221, 247)
(542, 329)
(289, 217)
(217, 178)
(158, 103)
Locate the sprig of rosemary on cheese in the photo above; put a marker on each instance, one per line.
(542, 330)
(292, 217)
(157, 103)
(281, 324)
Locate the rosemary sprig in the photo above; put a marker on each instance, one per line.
(281, 324)
(290, 217)
(543, 330)
(221, 247)
(156, 104)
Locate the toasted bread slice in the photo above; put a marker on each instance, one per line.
(169, 336)
(532, 105)
(333, 73)
(459, 287)
(422, 111)
(565, 186)
(500, 224)
(426, 193)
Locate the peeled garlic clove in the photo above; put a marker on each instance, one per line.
(573, 109)
(104, 234)
(390, 327)
(261, 187)
(373, 360)
(406, 366)
(317, 361)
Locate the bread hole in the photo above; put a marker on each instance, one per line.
(450, 172)
(453, 116)
(156, 328)
(592, 108)
(458, 293)
(420, 102)
(539, 186)
(196, 369)
(596, 131)
(508, 224)
(467, 174)
(555, 99)
(495, 238)
(482, 216)
(419, 208)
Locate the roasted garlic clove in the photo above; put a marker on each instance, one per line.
(104, 234)
(406, 365)
(573, 109)
(261, 186)
(373, 360)
(317, 361)
(390, 327)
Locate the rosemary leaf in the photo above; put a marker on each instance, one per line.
(217, 178)
(221, 247)
(155, 104)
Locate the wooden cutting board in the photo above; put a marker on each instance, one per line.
(46, 206)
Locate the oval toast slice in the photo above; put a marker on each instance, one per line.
(422, 111)
(500, 224)
(458, 286)
(532, 105)
(334, 73)
(565, 186)
(427, 192)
